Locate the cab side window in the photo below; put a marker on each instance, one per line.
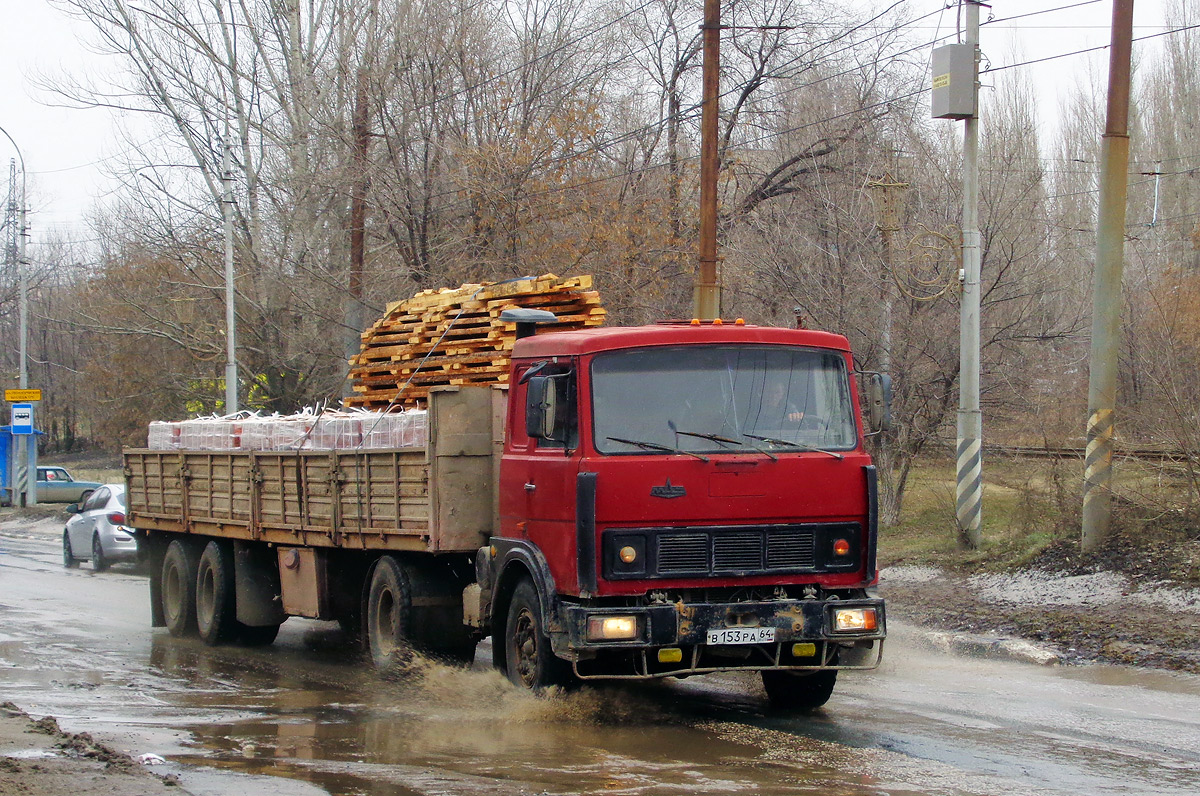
(551, 416)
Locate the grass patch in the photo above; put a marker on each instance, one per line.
(1031, 517)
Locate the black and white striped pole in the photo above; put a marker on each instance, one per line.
(955, 95)
(968, 506)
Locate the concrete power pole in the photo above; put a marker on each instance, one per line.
(969, 480)
(1106, 290)
(231, 374)
(887, 222)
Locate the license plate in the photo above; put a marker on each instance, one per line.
(741, 635)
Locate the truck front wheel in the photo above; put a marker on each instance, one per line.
(795, 691)
(532, 663)
(179, 589)
(389, 615)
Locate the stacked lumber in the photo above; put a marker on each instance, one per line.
(456, 337)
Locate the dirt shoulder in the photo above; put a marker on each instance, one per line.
(1097, 616)
(40, 759)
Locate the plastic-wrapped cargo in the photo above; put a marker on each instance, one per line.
(289, 433)
(335, 431)
(308, 430)
(256, 433)
(163, 435)
(382, 431)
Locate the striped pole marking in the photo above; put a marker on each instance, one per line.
(1097, 460)
(969, 487)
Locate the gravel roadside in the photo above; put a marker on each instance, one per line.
(1078, 617)
(40, 759)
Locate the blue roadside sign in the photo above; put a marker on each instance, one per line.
(22, 418)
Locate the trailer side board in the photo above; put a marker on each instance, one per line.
(437, 498)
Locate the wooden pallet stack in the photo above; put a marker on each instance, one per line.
(455, 336)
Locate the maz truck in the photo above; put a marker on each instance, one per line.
(643, 502)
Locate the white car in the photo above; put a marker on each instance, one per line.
(97, 532)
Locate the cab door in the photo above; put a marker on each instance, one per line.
(538, 475)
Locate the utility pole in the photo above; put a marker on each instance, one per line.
(708, 288)
(1106, 290)
(231, 374)
(887, 221)
(969, 477)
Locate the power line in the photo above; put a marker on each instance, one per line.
(1087, 50)
(1042, 11)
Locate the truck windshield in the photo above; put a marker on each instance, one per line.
(713, 399)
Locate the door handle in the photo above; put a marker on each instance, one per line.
(530, 487)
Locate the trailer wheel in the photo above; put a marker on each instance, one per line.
(799, 692)
(179, 589)
(389, 616)
(531, 662)
(216, 614)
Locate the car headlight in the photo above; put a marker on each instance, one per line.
(855, 620)
(612, 628)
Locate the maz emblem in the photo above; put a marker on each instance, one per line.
(667, 491)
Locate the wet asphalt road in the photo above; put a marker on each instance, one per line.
(307, 717)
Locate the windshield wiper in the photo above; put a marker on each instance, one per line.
(800, 445)
(654, 446)
(727, 441)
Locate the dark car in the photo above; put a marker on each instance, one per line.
(55, 485)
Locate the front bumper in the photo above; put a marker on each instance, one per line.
(804, 638)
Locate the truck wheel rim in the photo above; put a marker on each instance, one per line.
(171, 587)
(525, 647)
(385, 623)
(206, 595)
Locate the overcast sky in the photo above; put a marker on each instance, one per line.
(65, 149)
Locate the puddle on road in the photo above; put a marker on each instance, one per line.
(302, 710)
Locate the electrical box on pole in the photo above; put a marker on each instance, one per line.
(954, 95)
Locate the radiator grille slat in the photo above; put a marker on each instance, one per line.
(755, 549)
(683, 552)
(791, 549)
(738, 551)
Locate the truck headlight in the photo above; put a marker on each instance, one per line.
(612, 628)
(854, 620)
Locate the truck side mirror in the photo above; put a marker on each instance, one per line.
(879, 402)
(541, 408)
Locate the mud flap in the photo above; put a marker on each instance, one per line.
(256, 584)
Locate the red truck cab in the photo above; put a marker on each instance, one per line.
(685, 498)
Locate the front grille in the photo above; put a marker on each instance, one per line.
(790, 549)
(684, 552)
(742, 550)
(738, 551)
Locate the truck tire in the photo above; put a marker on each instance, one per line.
(69, 560)
(216, 613)
(389, 616)
(531, 662)
(179, 589)
(798, 691)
